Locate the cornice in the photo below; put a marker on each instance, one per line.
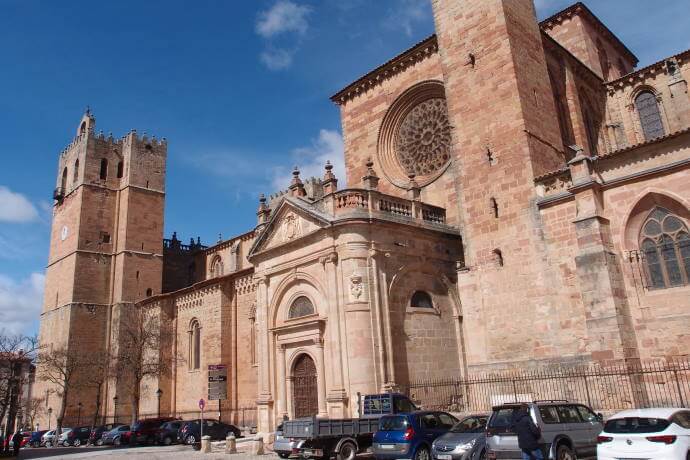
(399, 63)
(652, 69)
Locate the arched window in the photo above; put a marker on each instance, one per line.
(75, 174)
(591, 130)
(216, 267)
(120, 169)
(650, 116)
(665, 248)
(104, 169)
(149, 292)
(421, 299)
(194, 345)
(302, 306)
(63, 182)
(494, 207)
(498, 257)
(82, 128)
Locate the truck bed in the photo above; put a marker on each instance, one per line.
(310, 428)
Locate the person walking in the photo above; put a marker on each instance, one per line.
(528, 434)
(17, 442)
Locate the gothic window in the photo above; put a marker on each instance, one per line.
(149, 292)
(63, 182)
(498, 257)
(120, 169)
(194, 345)
(421, 299)
(302, 306)
(104, 169)
(494, 207)
(650, 115)
(665, 247)
(216, 267)
(591, 130)
(75, 174)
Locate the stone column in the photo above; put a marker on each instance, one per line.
(264, 401)
(321, 379)
(336, 395)
(281, 382)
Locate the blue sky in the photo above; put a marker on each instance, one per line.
(239, 88)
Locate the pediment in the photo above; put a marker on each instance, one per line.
(289, 223)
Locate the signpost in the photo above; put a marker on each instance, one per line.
(202, 404)
(218, 384)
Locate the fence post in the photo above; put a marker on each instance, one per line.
(680, 393)
(514, 390)
(589, 399)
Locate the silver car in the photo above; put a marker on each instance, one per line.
(568, 430)
(283, 446)
(465, 441)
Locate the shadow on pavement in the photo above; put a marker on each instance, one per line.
(43, 452)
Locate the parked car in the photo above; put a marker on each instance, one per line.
(35, 438)
(465, 441)
(47, 438)
(8, 443)
(646, 433)
(568, 430)
(166, 434)
(78, 436)
(116, 436)
(144, 431)
(62, 441)
(283, 446)
(218, 431)
(410, 435)
(96, 435)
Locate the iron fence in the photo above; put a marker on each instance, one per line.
(606, 388)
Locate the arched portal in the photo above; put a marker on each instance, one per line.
(304, 389)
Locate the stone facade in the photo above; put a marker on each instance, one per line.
(519, 197)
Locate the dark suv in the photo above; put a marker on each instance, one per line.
(78, 436)
(166, 434)
(144, 431)
(96, 436)
(190, 432)
(568, 430)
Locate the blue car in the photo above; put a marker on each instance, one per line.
(410, 435)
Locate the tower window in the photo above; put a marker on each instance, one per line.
(120, 169)
(149, 292)
(498, 257)
(421, 299)
(665, 248)
(650, 116)
(494, 207)
(105, 237)
(75, 175)
(104, 169)
(63, 182)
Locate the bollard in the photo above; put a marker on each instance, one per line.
(206, 444)
(230, 444)
(257, 446)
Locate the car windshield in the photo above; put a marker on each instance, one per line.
(636, 425)
(470, 425)
(395, 423)
(502, 417)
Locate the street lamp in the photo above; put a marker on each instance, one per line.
(79, 413)
(159, 393)
(50, 411)
(115, 409)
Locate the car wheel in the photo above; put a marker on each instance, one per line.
(283, 455)
(565, 453)
(49, 444)
(167, 441)
(117, 441)
(99, 442)
(347, 451)
(77, 442)
(423, 454)
(190, 439)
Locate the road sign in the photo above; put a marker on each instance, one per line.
(217, 382)
(202, 404)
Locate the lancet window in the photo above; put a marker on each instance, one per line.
(665, 247)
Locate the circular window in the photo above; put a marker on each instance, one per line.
(415, 136)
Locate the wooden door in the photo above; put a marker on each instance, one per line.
(304, 391)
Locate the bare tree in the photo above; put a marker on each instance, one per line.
(98, 365)
(141, 339)
(33, 408)
(17, 354)
(60, 368)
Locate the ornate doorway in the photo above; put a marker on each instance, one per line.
(304, 390)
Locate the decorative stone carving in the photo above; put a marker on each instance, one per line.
(291, 227)
(357, 289)
(423, 140)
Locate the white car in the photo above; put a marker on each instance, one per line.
(63, 437)
(654, 434)
(47, 438)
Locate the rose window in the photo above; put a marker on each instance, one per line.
(423, 140)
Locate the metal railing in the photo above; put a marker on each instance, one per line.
(611, 387)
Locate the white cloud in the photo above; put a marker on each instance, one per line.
(284, 16)
(277, 58)
(288, 20)
(406, 14)
(311, 160)
(20, 302)
(15, 207)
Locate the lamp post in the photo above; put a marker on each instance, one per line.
(79, 413)
(50, 411)
(115, 409)
(159, 393)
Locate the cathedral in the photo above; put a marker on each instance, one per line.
(518, 196)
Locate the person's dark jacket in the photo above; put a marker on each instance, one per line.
(17, 439)
(528, 433)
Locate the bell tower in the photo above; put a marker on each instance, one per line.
(106, 241)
